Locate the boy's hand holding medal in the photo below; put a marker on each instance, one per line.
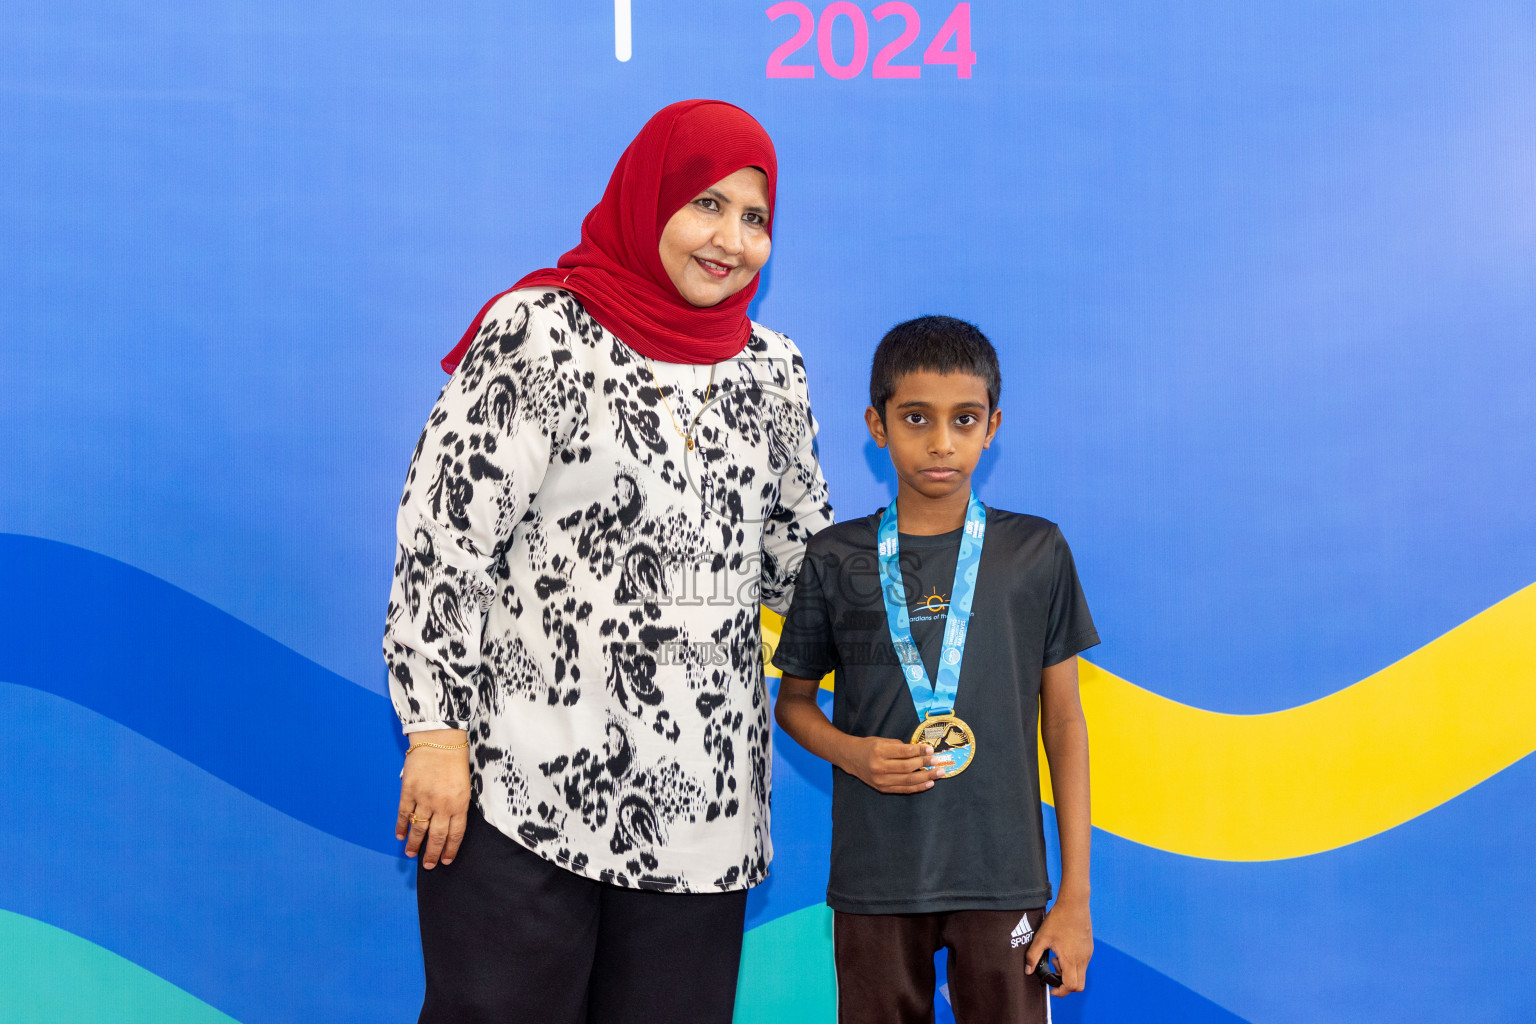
(890, 766)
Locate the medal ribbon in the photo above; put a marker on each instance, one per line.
(932, 698)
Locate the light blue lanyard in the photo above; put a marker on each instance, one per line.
(932, 699)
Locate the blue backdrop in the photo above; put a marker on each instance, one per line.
(1263, 279)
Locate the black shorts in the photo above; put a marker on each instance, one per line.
(885, 969)
(510, 938)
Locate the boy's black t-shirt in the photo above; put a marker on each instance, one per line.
(974, 841)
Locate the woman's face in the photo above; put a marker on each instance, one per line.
(714, 246)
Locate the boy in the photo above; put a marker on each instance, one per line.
(950, 626)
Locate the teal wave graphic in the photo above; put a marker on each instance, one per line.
(53, 977)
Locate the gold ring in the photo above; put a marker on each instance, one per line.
(419, 821)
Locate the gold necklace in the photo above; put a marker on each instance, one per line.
(687, 437)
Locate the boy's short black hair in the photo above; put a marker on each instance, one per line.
(941, 344)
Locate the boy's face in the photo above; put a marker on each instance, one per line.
(935, 426)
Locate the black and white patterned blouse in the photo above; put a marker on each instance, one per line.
(580, 591)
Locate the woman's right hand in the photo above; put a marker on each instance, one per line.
(434, 797)
(891, 766)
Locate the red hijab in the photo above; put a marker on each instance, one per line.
(616, 269)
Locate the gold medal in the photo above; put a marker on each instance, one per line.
(952, 741)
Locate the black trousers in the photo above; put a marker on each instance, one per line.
(507, 937)
(885, 967)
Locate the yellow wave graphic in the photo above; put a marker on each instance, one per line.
(1316, 777)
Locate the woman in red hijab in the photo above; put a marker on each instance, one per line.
(618, 473)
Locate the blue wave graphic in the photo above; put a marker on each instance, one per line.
(200, 682)
(261, 916)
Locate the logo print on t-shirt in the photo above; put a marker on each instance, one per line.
(934, 606)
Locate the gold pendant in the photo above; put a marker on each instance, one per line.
(689, 441)
(953, 742)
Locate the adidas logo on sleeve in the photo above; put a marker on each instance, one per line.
(1022, 933)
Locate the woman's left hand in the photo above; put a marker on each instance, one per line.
(434, 797)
